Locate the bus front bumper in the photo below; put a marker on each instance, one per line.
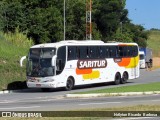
(41, 85)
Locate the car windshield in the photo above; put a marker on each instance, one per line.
(39, 62)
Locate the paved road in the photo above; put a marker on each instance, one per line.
(60, 104)
(29, 100)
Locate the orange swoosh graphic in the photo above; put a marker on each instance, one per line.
(83, 71)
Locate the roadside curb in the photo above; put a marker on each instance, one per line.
(110, 94)
(9, 91)
(5, 92)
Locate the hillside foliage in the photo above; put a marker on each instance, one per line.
(12, 47)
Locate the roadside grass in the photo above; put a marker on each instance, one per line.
(131, 108)
(134, 88)
(144, 108)
(155, 67)
(154, 42)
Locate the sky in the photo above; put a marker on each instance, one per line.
(144, 12)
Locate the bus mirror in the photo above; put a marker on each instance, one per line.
(53, 62)
(21, 60)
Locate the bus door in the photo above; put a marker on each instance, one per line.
(61, 59)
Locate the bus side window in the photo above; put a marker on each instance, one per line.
(120, 51)
(130, 51)
(113, 51)
(108, 55)
(72, 53)
(125, 51)
(83, 52)
(77, 52)
(135, 51)
(102, 52)
(93, 52)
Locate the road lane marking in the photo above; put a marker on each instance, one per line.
(115, 102)
(155, 100)
(19, 107)
(33, 99)
(99, 103)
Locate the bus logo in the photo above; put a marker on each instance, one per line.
(117, 60)
(91, 63)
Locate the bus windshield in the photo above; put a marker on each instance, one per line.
(39, 62)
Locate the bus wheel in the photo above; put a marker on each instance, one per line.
(69, 84)
(124, 78)
(117, 79)
(45, 89)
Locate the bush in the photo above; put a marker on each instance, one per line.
(12, 47)
(18, 39)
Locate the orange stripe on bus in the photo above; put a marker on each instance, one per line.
(83, 71)
(125, 62)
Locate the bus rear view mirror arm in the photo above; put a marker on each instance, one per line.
(21, 60)
(53, 62)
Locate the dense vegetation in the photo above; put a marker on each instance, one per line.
(154, 42)
(42, 20)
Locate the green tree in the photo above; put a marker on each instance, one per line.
(108, 15)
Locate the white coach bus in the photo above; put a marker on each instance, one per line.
(71, 63)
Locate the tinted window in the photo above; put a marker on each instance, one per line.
(93, 52)
(72, 52)
(107, 50)
(112, 51)
(102, 52)
(83, 52)
(135, 51)
(122, 51)
(132, 51)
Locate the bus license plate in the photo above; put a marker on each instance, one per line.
(38, 85)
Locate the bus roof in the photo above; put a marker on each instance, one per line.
(76, 42)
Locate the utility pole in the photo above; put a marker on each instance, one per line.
(88, 20)
(64, 11)
(121, 22)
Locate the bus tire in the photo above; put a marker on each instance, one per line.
(124, 78)
(117, 78)
(45, 89)
(69, 84)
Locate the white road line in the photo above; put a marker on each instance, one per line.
(116, 102)
(19, 107)
(99, 103)
(29, 99)
(155, 100)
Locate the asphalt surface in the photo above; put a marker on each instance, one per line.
(35, 100)
(61, 104)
